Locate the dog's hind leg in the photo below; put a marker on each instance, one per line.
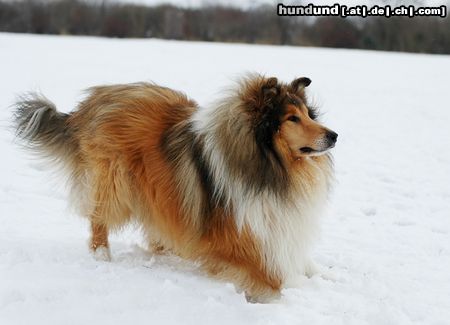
(99, 241)
(109, 197)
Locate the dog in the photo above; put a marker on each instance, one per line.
(236, 187)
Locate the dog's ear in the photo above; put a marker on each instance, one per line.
(269, 90)
(261, 94)
(297, 85)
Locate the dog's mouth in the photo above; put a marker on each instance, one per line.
(307, 150)
(311, 151)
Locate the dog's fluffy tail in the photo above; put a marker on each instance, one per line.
(45, 130)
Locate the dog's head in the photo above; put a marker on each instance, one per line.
(282, 117)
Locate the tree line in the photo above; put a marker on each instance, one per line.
(224, 24)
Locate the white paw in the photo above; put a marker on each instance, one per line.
(264, 297)
(313, 269)
(295, 282)
(328, 274)
(102, 253)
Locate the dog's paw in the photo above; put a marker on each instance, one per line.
(313, 269)
(328, 274)
(102, 253)
(263, 297)
(296, 281)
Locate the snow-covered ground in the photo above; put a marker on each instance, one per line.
(386, 233)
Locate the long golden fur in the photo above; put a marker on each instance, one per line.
(236, 186)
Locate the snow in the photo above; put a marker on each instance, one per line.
(386, 233)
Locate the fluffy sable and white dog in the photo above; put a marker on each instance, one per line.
(236, 187)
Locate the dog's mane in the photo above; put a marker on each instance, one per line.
(241, 138)
(229, 148)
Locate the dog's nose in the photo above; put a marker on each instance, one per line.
(332, 136)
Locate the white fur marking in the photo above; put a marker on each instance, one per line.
(102, 253)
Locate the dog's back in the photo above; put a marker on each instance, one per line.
(110, 147)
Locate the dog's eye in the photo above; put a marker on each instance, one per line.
(294, 119)
(293, 101)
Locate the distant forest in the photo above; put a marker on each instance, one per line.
(224, 24)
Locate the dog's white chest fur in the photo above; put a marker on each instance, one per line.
(285, 227)
(286, 231)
